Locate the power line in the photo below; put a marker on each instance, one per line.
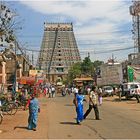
(92, 33)
(107, 51)
(122, 42)
(96, 33)
(87, 50)
(99, 43)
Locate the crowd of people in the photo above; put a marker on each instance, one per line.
(26, 97)
(30, 95)
(79, 97)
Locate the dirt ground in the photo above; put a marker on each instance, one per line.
(57, 121)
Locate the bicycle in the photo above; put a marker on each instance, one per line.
(9, 107)
(1, 117)
(20, 101)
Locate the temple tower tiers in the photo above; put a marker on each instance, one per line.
(59, 50)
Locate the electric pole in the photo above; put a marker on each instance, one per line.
(135, 12)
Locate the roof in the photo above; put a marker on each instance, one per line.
(84, 79)
(27, 80)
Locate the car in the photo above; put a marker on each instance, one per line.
(130, 89)
(107, 91)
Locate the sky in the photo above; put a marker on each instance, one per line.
(101, 27)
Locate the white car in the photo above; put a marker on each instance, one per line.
(130, 89)
(107, 91)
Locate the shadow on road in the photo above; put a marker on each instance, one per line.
(90, 119)
(122, 100)
(21, 127)
(118, 100)
(69, 105)
(69, 123)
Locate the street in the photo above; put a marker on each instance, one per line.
(119, 120)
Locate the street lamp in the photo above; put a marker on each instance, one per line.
(15, 77)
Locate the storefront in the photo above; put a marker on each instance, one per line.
(84, 81)
(27, 80)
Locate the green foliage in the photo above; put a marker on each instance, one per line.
(97, 63)
(74, 71)
(84, 68)
(87, 66)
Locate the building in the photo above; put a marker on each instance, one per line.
(134, 58)
(111, 73)
(21, 68)
(59, 50)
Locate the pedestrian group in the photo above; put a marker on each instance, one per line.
(92, 97)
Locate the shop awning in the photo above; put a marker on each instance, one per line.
(84, 79)
(27, 80)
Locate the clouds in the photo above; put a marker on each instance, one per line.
(90, 17)
(82, 11)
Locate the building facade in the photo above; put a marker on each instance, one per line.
(111, 73)
(59, 50)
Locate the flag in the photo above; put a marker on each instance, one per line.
(133, 73)
(130, 72)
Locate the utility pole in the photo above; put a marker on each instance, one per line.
(113, 59)
(138, 28)
(15, 77)
(50, 62)
(32, 59)
(88, 54)
(135, 12)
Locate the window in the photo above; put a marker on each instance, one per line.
(60, 69)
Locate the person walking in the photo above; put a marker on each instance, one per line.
(88, 90)
(33, 113)
(79, 106)
(50, 91)
(92, 104)
(137, 98)
(100, 99)
(121, 92)
(53, 91)
(63, 91)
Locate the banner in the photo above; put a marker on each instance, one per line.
(130, 72)
(133, 74)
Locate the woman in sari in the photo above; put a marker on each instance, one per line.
(79, 106)
(33, 113)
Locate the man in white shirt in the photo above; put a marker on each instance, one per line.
(92, 104)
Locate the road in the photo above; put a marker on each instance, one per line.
(119, 120)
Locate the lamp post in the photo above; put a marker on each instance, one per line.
(15, 75)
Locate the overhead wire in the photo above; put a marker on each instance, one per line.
(87, 50)
(89, 43)
(92, 33)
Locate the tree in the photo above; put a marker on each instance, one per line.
(7, 24)
(84, 68)
(74, 71)
(87, 66)
(97, 63)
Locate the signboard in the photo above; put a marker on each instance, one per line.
(27, 80)
(110, 74)
(32, 72)
(133, 74)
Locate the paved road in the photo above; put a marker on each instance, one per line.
(119, 120)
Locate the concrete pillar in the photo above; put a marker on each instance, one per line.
(19, 71)
(3, 72)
